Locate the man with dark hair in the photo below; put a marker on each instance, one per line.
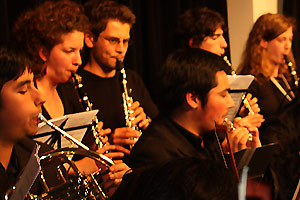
(108, 41)
(20, 105)
(195, 101)
(202, 28)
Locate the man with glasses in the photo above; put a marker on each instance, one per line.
(108, 40)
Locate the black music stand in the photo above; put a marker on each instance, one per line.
(257, 159)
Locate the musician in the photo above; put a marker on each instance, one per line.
(53, 36)
(204, 28)
(20, 105)
(107, 41)
(269, 41)
(196, 99)
(284, 129)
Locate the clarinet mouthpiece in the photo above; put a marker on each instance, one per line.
(119, 64)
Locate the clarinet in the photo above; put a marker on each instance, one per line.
(230, 65)
(292, 70)
(87, 105)
(245, 102)
(127, 100)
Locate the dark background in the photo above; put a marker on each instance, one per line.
(153, 32)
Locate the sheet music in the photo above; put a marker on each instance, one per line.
(75, 120)
(44, 128)
(238, 88)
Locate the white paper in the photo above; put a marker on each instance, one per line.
(240, 82)
(238, 88)
(76, 120)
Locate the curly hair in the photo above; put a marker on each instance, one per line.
(267, 27)
(99, 12)
(197, 23)
(45, 25)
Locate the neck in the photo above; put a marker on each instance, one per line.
(96, 69)
(275, 70)
(45, 85)
(6, 151)
(187, 120)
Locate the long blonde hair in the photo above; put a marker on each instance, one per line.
(255, 60)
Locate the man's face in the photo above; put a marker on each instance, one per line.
(64, 57)
(280, 46)
(219, 101)
(20, 105)
(111, 44)
(215, 44)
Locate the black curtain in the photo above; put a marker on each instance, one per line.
(153, 32)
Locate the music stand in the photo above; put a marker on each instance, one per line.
(75, 124)
(239, 85)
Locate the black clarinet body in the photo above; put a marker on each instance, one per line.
(87, 105)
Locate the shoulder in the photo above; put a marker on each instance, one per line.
(159, 143)
(28, 145)
(133, 75)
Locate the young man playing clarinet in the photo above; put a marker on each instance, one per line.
(108, 41)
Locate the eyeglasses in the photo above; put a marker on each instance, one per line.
(114, 41)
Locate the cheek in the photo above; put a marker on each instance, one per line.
(217, 111)
(275, 49)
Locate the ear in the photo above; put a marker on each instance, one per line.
(89, 39)
(191, 42)
(43, 53)
(263, 43)
(192, 100)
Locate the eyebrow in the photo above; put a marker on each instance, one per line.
(22, 83)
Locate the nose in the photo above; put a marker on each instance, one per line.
(121, 47)
(223, 42)
(38, 98)
(77, 59)
(288, 44)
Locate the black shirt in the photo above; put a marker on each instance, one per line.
(105, 94)
(69, 98)
(165, 140)
(19, 158)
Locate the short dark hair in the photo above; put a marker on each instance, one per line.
(100, 12)
(197, 23)
(12, 65)
(189, 70)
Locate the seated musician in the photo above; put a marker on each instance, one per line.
(20, 105)
(196, 100)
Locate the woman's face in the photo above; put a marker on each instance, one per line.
(280, 46)
(64, 57)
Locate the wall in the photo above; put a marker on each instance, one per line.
(241, 16)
